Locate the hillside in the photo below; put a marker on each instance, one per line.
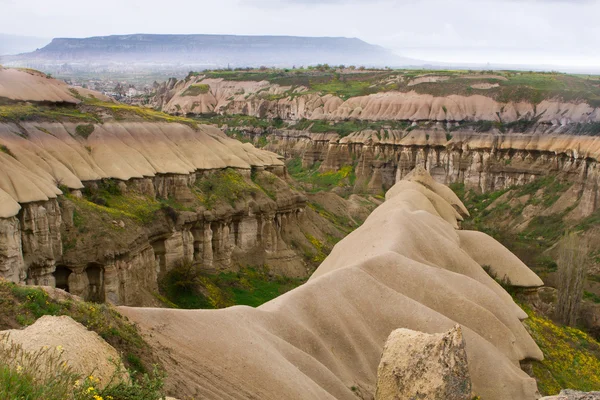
(386, 95)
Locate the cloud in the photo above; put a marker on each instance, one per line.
(510, 31)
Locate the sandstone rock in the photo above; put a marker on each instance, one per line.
(83, 350)
(569, 394)
(416, 365)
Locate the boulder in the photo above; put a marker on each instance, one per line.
(418, 365)
(569, 394)
(84, 351)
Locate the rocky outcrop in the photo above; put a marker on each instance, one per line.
(43, 245)
(404, 267)
(416, 365)
(266, 100)
(569, 394)
(61, 338)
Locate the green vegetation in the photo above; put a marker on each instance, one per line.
(314, 181)
(571, 357)
(28, 112)
(43, 375)
(196, 90)
(108, 198)
(346, 82)
(187, 287)
(23, 305)
(84, 130)
(228, 186)
(344, 128)
(6, 150)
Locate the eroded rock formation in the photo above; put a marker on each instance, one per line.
(405, 267)
(266, 100)
(45, 167)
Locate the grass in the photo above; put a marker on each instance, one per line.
(314, 181)
(513, 86)
(6, 150)
(542, 231)
(571, 357)
(187, 287)
(225, 186)
(196, 90)
(29, 112)
(22, 305)
(344, 128)
(84, 130)
(107, 198)
(43, 375)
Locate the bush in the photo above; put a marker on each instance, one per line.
(196, 89)
(84, 130)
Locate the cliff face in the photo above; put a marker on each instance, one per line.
(54, 234)
(482, 161)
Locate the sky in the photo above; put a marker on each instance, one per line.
(534, 32)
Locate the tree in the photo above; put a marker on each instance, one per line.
(572, 268)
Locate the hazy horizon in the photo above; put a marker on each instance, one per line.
(507, 32)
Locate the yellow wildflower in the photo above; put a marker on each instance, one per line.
(19, 369)
(59, 348)
(90, 389)
(96, 397)
(77, 383)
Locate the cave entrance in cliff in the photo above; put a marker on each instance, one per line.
(61, 276)
(95, 275)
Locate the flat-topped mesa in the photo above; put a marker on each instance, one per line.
(406, 267)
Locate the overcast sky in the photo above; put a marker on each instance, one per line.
(560, 32)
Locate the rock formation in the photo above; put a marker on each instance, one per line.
(568, 394)
(405, 267)
(62, 338)
(45, 166)
(266, 100)
(416, 365)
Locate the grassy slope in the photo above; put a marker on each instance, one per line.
(572, 357)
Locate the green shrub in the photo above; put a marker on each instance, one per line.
(84, 130)
(6, 150)
(227, 186)
(196, 89)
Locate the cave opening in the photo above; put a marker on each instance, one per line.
(61, 276)
(95, 275)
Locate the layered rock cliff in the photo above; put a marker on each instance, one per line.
(104, 208)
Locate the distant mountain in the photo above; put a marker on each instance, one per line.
(208, 51)
(14, 44)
